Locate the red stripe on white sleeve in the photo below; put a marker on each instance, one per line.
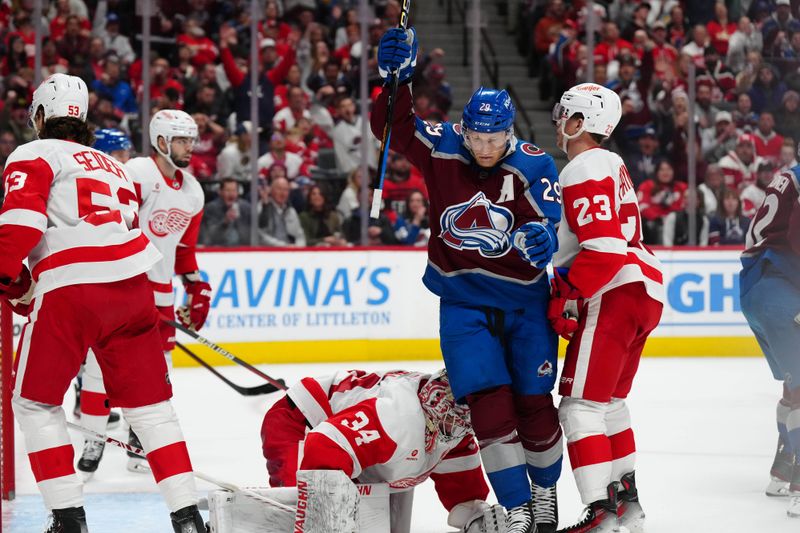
(185, 253)
(312, 400)
(459, 476)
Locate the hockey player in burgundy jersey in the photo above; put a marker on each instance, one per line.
(495, 208)
(607, 297)
(393, 427)
(770, 299)
(72, 212)
(170, 211)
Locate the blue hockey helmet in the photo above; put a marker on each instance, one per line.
(110, 140)
(488, 111)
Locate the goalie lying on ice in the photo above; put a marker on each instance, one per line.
(393, 427)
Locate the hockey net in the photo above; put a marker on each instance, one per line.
(6, 418)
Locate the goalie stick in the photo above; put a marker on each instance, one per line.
(266, 388)
(224, 353)
(99, 437)
(377, 196)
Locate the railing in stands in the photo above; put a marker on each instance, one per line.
(490, 64)
(528, 133)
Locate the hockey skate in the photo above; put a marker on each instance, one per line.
(187, 520)
(69, 520)
(794, 491)
(630, 510)
(520, 519)
(136, 464)
(601, 516)
(90, 459)
(545, 508)
(781, 471)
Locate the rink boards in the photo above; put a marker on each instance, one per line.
(276, 306)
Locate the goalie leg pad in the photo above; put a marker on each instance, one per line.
(327, 500)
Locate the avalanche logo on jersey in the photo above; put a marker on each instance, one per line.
(478, 224)
(164, 222)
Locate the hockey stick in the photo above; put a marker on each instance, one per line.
(225, 353)
(377, 196)
(266, 388)
(99, 437)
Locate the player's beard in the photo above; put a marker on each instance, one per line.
(179, 163)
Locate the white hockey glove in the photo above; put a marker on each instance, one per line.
(477, 516)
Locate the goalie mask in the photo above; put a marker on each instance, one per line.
(445, 420)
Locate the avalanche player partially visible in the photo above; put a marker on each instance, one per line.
(495, 206)
(393, 427)
(770, 299)
(171, 206)
(608, 303)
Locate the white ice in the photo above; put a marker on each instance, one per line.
(705, 433)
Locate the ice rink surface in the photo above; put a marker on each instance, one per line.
(705, 432)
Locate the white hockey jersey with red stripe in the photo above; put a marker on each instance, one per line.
(376, 418)
(170, 215)
(73, 212)
(601, 240)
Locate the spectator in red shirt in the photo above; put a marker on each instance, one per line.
(52, 62)
(203, 49)
(721, 29)
(58, 25)
(612, 46)
(293, 79)
(665, 56)
(160, 79)
(15, 57)
(657, 199)
(401, 179)
(75, 43)
(768, 142)
(210, 140)
(548, 25)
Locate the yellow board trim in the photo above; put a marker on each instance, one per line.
(337, 351)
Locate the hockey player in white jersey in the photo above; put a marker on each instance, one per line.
(170, 211)
(607, 297)
(71, 211)
(394, 427)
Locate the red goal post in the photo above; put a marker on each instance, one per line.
(7, 417)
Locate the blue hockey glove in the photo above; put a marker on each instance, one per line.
(397, 53)
(536, 243)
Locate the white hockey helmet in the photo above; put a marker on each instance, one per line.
(601, 109)
(171, 123)
(60, 95)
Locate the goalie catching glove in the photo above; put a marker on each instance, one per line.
(536, 243)
(397, 54)
(477, 516)
(198, 301)
(565, 306)
(18, 293)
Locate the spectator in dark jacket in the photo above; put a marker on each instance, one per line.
(767, 91)
(728, 226)
(787, 119)
(226, 220)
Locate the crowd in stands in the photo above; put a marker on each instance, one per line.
(746, 55)
(310, 130)
(747, 115)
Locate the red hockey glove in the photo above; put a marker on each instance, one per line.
(198, 302)
(564, 308)
(18, 293)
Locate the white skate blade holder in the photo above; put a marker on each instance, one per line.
(232, 512)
